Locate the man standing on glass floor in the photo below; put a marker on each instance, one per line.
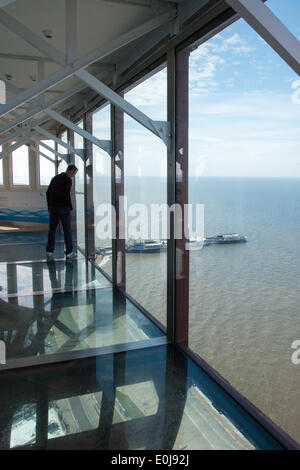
(60, 209)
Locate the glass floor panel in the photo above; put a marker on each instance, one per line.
(42, 325)
(154, 398)
(22, 237)
(49, 276)
(23, 246)
(28, 251)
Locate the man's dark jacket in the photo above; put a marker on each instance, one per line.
(58, 192)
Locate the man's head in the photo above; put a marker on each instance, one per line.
(71, 171)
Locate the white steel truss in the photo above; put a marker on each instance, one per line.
(103, 144)
(255, 13)
(78, 64)
(38, 151)
(271, 29)
(43, 144)
(160, 128)
(60, 142)
(23, 140)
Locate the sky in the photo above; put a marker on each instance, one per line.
(244, 108)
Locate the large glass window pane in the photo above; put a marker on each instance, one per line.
(145, 187)
(46, 168)
(62, 150)
(102, 191)
(79, 191)
(244, 167)
(20, 166)
(1, 167)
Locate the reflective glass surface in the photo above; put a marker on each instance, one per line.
(100, 173)
(1, 168)
(145, 399)
(244, 169)
(63, 164)
(78, 182)
(49, 276)
(72, 321)
(145, 190)
(46, 168)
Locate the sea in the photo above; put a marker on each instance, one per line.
(244, 299)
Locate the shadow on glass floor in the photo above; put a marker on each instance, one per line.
(50, 327)
(154, 398)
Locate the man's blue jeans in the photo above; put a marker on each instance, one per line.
(58, 214)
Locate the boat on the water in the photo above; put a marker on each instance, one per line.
(156, 246)
(147, 246)
(225, 238)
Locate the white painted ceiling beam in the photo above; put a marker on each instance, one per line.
(39, 107)
(60, 142)
(159, 128)
(43, 144)
(31, 58)
(26, 137)
(71, 30)
(36, 150)
(270, 28)
(11, 137)
(86, 135)
(33, 39)
(88, 59)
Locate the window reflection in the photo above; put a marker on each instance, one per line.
(145, 184)
(79, 190)
(46, 168)
(101, 174)
(23, 431)
(145, 399)
(244, 168)
(62, 150)
(74, 415)
(1, 168)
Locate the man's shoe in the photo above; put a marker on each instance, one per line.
(71, 255)
(49, 254)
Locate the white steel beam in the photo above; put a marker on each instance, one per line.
(88, 59)
(39, 107)
(58, 154)
(59, 141)
(66, 122)
(159, 128)
(16, 145)
(28, 125)
(270, 28)
(36, 150)
(31, 58)
(12, 136)
(71, 30)
(33, 39)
